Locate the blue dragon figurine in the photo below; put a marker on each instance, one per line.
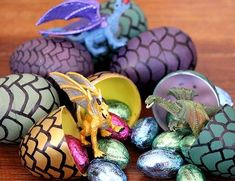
(93, 29)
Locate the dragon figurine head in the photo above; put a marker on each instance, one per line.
(121, 5)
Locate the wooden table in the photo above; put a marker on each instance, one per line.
(211, 25)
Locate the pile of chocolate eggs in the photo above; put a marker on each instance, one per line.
(180, 153)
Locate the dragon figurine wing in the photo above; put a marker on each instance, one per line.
(74, 90)
(87, 10)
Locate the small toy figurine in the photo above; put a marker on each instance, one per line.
(92, 28)
(92, 110)
(185, 111)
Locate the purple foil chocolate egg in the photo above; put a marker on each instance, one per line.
(79, 153)
(147, 58)
(44, 55)
(124, 133)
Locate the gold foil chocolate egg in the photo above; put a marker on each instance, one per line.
(44, 150)
(118, 87)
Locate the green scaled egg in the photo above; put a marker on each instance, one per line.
(119, 108)
(190, 173)
(186, 143)
(115, 151)
(25, 99)
(168, 140)
(214, 149)
(132, 22)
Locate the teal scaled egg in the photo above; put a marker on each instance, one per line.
(160, 163)
(25, 99)
(144, 132)
(105, 170)
(168, 140)
(214, 149)
(132, 22)
(190, 173)
(115, 151)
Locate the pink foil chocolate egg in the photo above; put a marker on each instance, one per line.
(124, 133)
(79, 153)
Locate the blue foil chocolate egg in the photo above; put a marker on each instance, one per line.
(160, 163)
(101, 169)
(144, 132)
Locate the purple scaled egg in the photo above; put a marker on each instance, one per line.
(79, 153)
(147, 58)
(44, 55)
(124, 133)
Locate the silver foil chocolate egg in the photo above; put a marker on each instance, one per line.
(101, 169)
(144, 132)
(160, 163)
(115, 151)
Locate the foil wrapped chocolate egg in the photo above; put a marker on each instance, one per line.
(169, 140)
(115, 151)
(214, 148)
(144, 132)
(118, 87)
(224, 97)
(147, 58)
(119, 108)
(51, 149)
(186, 143)
(25, 99)
(44, 55)
(190, 173)
(187, 79)
(160, 163)
(125, 133)
(101, 169)
(132, 22)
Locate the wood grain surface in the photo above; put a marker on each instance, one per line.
(211, 24)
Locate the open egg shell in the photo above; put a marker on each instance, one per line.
(153, 54)
(44, 151)
(44, 55)
(25, 99)
(214, 149)
(118, 87)
(187, 79)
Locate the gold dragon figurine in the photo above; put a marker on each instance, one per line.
(92, 111)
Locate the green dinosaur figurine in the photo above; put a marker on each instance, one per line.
(187, 113)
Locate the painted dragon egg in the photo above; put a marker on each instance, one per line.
(187, 79)
(160, 163)
(132, 22)
(118, 87)
(44, 55)
(214, 149)
(115, 151)
(105, 170)
(147, 58)
(48, 151)
(25, 99)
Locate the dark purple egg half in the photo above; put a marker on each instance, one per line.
(147, 58)
(44, 55)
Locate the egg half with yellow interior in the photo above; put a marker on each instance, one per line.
(118, 87)
(51, 148)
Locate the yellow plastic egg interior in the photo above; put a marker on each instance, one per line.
(68, 124)
(122, 89)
